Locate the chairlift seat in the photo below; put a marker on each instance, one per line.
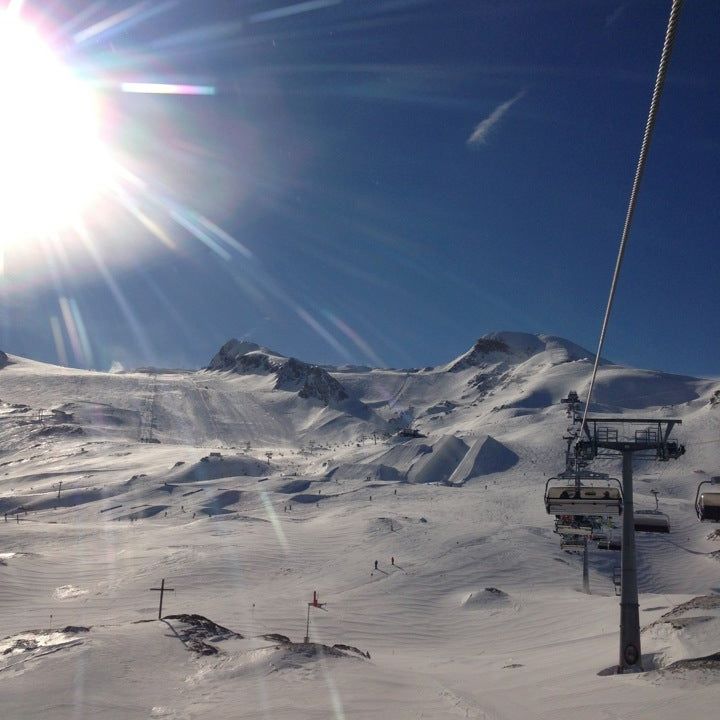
(651, 521)
(580, 530)
(587, 500)
(708, 506)
(574, 545)
(612, 544)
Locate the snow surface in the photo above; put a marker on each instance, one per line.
(246, 497)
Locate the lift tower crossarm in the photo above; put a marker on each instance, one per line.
(600, 435)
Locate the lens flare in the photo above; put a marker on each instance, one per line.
(52, 158)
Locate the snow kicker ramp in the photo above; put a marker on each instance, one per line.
(485, 456)
(438, 466)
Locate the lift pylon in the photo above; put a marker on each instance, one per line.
(602, 437)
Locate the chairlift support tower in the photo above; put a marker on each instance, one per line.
(600, 437)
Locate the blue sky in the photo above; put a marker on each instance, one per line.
(335, 152)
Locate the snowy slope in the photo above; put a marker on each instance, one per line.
(247, 496)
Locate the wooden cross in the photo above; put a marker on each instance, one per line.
(162, 590)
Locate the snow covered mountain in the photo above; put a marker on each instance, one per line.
(310, 381)
(253, 482)
(508, 347)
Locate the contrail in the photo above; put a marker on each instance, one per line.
(482, 130)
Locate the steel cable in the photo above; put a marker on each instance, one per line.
(640, 169)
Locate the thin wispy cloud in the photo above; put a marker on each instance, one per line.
(614, 16)
(483, 129)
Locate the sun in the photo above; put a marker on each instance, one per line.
(52, 162)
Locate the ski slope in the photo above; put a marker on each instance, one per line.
(481, 614)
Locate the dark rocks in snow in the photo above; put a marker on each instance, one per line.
(351, 649)
(62, 430)
(276, 637)
(309, 381)
(198, 632)
(60, 415)
(479, 352)
(701, 602)
(677, 617)
(410, 433)
(316, 650)
(517, 347)
(230, 353)
(4, 359)
(30, 644)
(255, 363)
(709, 662)
(491, 598)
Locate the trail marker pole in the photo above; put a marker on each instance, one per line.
(59, 489)
(586, 572)
(162, 590)
(315, 604)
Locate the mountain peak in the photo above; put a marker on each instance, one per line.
(516, 347)
(309, 381)
(229, 354)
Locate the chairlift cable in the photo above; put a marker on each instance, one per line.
(639, 171)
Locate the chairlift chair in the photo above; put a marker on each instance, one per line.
(591, 500)
(651, 521)
(573, 543)
(610, 543)
(707, 504)
(582, 530)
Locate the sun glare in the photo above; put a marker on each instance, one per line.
(52, 163)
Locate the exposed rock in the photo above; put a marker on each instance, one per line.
(62, 429)
(4, 360)
(309, 381)
(352, 649)
(276, 637)
(516, 347)
(198, 632)
(709, 662)
(490, 598)
(479, 352)
(230, 352)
